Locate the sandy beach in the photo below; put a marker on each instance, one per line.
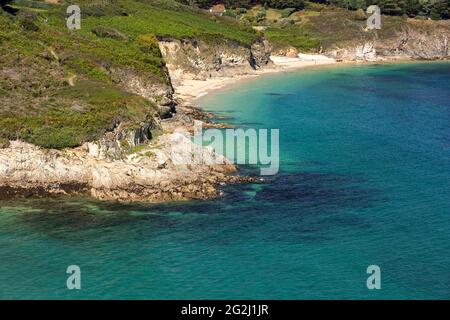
(189, 90)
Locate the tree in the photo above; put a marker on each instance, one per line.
(357, 4)
(4, 2)
(436, 9)
(392, 7)
(261, 16)
(349, 4)
(4, 6)
(440, 10)
(412, 7)
(425, 8)
(283, 4)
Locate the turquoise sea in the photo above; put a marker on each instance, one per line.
(364, 180)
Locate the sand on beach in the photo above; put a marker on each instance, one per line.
(190, 89)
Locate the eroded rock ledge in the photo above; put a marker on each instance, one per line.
(159, 172)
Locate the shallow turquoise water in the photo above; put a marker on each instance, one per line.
(365, 179)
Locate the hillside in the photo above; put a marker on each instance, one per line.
(60, 88)
(94, 111)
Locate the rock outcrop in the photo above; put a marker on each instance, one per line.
(163, 171)
(198, 60)
(430, 41)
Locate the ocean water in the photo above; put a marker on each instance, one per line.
(364, 180)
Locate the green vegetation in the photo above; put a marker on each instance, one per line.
(74, 115)
(172, 20)
(291, 36)
(284, 4)
(287, 12)
(60, 88)
(435, 9)
(106, 32)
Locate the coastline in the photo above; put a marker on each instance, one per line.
(189, 90)
(151, 174)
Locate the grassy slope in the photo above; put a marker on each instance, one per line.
(38, 105)
(40, 59)
(327, 27)
(337, 26)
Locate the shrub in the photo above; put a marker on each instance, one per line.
(230, 13)
(248, 18)
(29, 25)
(107, 32)
(105, 8)
(283, 23)
(241, 10)
(287, 12)
(360, 15)
(260, 16)
(283, 4)
(149, 44)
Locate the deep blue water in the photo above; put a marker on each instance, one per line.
(364, 179)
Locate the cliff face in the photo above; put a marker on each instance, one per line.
(416, 43)
(161, 94)
(420, 40)
(160, 172)
(198, 60)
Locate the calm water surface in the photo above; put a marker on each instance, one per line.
(364, 179)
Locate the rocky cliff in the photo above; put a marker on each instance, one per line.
(419, 40)
(162, 171)
(199, 60)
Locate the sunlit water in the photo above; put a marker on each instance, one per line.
(364, 179)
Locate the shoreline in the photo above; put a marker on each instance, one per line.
(191, 91)
(149, 175)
